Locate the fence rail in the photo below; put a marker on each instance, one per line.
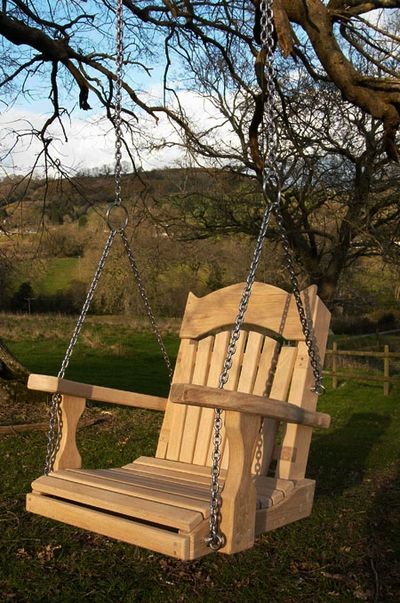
(386, 356)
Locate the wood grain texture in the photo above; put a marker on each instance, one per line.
(169, 444)
(247, 404)
(268, 309)
(47, 383)
(126, 530)
(176, 496)
(114, 502)
(269, 378)
(299, 436)
(239, 496)
(68, 456)
(297, 505)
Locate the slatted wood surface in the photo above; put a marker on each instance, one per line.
(260, 366)
(166, 493)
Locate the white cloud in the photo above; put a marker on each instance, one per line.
(91, 140)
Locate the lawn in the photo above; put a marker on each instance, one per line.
(348, 550)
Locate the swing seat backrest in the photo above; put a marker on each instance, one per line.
(271, 359)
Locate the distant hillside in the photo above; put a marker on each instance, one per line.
(59, 201)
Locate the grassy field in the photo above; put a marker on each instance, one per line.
(59, 274)
(348, 550)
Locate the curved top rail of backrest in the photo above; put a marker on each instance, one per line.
(269, 308)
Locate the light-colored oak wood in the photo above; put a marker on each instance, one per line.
(231, 385)
(202, 454)
(126, 530)
(164, 465)
(297, 505)
(280, 367)
(192, 419)
(47, 383)
(68, 456)
(169, 475)
(114, 502)
(298, 437)
(239, 496)
(270, 308)
(177, 497)
(169, 444)
(247, 404)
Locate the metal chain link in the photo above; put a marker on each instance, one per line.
(269, 92)
(118, 101)
(306, 321)
(118, 186)
(215, 540)
(55, 427)
(271, 186)
(146, 302)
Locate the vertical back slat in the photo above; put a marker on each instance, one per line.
(279, 391)
(231, 385)
(174, 418)
(193, 413)
(260, 366)
(207, 414)
(298, 437)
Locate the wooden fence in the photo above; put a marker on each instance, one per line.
(386, 357)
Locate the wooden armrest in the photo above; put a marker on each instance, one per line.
(46, 383)
(199, 395)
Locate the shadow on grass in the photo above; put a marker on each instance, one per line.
(338, 459)
(383, 535)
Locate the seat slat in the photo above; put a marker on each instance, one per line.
(194, 490)
(164, 464)
(181, 500)
(123, 504)
(155, 483)
(170, 475)
(161, 541)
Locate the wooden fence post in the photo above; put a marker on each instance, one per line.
(386, 371)
(334, 365)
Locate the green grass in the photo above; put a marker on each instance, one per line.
(59, 274)
(348, 550)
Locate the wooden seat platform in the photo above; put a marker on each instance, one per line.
(168, 501)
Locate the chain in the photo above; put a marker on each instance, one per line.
(55, 423)
(269, 91)
(271, 183)
(146, 302)
(55, 428)
(306, 322)
(118, 101)
(215, 540)
(118, 191)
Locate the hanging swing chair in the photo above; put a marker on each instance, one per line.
(233, 448)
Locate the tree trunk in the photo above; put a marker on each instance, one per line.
(10, 367)
(17, 403)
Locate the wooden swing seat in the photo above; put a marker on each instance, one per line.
(162, 503)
